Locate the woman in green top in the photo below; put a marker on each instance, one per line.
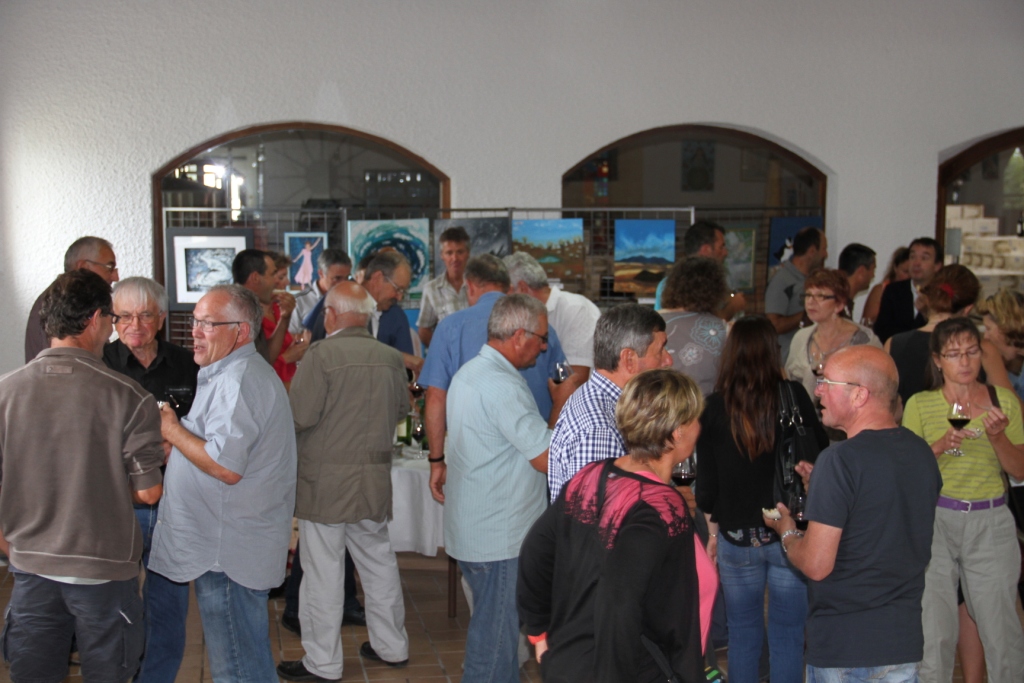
(974, 541)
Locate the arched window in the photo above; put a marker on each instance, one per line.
(740, 180)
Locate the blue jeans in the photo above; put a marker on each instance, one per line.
(895, 673)
(492, 639)
(166, 605)
(744, 572)
(236, 629)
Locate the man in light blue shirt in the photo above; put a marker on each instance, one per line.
(498, 457)
(458, 338)
(225, 520)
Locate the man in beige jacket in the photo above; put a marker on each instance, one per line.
(346, 398)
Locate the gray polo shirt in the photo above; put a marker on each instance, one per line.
(785, 296)
(241, 410)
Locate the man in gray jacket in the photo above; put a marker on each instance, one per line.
(80, 442)
(347, 396)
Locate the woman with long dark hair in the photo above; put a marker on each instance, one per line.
(735, 475)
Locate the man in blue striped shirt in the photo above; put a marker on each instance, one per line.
(628, 339)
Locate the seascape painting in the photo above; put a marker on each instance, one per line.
(557, 244)
(490, 235)
(304, 249)
(644, 251)
(206, 267)
(410, 237)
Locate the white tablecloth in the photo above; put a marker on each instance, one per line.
(418, 522)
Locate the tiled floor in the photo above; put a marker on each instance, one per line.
(436, 643)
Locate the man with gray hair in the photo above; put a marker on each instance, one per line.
(333, 266)
(343, 499)
(91, 253)
(628, 339)
(572, 315)
(498, 452)
(226, 520)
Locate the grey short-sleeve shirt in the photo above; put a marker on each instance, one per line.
(785, 296)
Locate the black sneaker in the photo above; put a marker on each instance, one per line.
(368, 652)
(354, 617)
(297, 671)
(292, 624)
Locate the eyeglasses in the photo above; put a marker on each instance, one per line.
(111, 267)
(144, 318)
(819, 297)
(399, 290)
(822, 381)
(954, 356)
(208, 325)
(114, 318)
(543, 337)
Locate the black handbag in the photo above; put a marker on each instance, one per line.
(795, 443)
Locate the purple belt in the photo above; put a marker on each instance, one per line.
(970, 505)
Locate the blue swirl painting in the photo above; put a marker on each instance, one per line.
(410, 237)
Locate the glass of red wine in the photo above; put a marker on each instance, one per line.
(684, 473)
(959, 416)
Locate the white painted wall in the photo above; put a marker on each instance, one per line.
(502, 96)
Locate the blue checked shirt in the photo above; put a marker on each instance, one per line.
(585, 431)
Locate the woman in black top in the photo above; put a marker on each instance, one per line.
(615, 557)
(735, 477)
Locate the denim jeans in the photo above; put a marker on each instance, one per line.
(895, 673)
(744, 572)
(493, 635)
(166, 605)
(236, 629)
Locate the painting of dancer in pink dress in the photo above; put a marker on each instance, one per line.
(304, 248)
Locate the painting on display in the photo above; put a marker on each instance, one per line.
(644, 251)
(557, 244)
(780, 237)
(739, 264)
(200, 258)
(304, 249)
(698, 171)
(491, 235)
(410, 237)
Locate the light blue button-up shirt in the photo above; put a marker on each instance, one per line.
(492, 494)
(241, 410)
(459, 338)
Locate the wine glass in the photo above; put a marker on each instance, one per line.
(418, 433)
(562, 371)
(817, 363)
(959, 416)
(684, 473)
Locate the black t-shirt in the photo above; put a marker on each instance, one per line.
(880, 488)
(172, 373)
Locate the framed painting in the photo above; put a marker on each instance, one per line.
(557, 244)
(644, 251)
(199, 258)
(304, 249)
(739, 264)
(410, 237)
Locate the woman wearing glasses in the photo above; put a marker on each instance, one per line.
(974, 542)
(735, 475)
(825, 295)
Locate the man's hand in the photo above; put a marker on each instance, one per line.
(168, 422)
(286, 302)
(804, 469)
(438, 476)
(295, 352)
(540, 648)
(783, 524)
(560, 393)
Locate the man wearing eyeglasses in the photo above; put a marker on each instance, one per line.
(871, 506)
(80, 444)
(226, 521)
(88, 253)
(784, 296)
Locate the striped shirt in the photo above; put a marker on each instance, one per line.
(975, 475)
(585, 432)
(492, 495)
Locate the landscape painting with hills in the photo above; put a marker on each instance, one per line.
(644, 251)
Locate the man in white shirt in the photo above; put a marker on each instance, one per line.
(572, 315)
(446, 293)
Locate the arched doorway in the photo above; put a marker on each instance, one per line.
(743, 181)
(296, 172)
